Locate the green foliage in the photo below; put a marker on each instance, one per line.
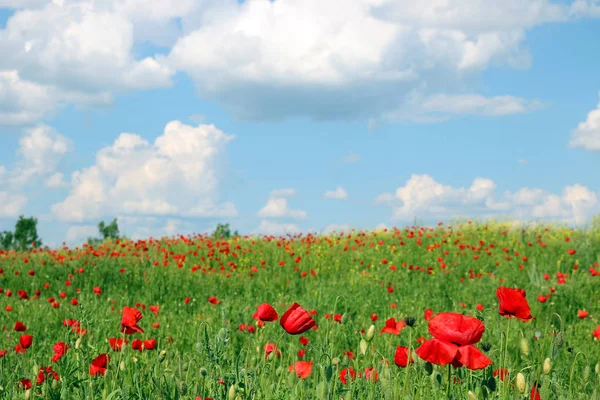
(222, 231)
(24, 237)
(107, 232)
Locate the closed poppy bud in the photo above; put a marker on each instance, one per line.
(524, 344)
(203, 371)
(182, 387)
(547, 366)
(162, 355)
(597, 368)
(122, 365)
(344, 318)
(370, 333)
(296, 320)
(28, 394)
(363, 346)
(521, 385)
(78, 343)
(471, 395)
(231, 394)
(586, 373)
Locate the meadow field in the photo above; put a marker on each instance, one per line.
(468, 311)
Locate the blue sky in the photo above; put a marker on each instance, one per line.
(289, 116)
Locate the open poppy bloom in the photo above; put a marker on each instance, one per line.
(47, 372)
(20, 327)
(24, 384)
(99, 365)
(596, 333)
(60, 349)
(131, 316)
(296, 320)
(302, 368)
(347, 373)
(117, 344)
(265, 312)
(271, 348)
(213, 300)
(25, 341)
(453, 338)
(401, 357)
(513, 303)
(392, 326)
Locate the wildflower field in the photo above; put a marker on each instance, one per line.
(468, 311)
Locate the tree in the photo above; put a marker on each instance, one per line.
(222, 231)
(26, 236)
(110, 231)
(6, 240)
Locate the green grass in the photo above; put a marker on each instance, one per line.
(201, 345)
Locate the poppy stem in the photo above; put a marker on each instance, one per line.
(449, 377)
(505, 358)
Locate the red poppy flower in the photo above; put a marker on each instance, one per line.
(501, 373)
(535, 394)
(99, 365)
(392, 326)
(345, 373)
(371, 374)
(149, 344)
(296, 320)
(25, 384)
(154, 309)
(301, 368)
(428, 314)
(131, 316)
(47, 372)
(542, 299)
(97, 290)
(117, 344)
(3, 353)
(582, 314)
(454, 335)
(60, 349)
(513, 303)
(265, 312)
(303, 340)
(271, 348)
(401, 357)
(213, 300)
(596, 333)
(20, 327)
(25, 341)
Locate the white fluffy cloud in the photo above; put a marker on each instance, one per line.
(587, 134)
(77, 234)
(338, 194)
(331, 228)
(276, 228)
(12, 204)
(179, 174)
(422, 196)
(277, 207)
(258, 53)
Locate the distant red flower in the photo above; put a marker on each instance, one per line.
(374, 317)
(117, 344)
(401, 357)
(99, 365)
(25, 341)
(265, 312)
(303, 340)
(596, 333)
(371, 374)
(301, 368)
(572, 251)
(513, 303)
(213, 300)
(97, 290)
(582, 314)
(24, 384)
(393, 327)
(535, 394)
(137, 344)
(155, 309)
(501, 373)
(347, 373)
(271, 348)
(47, 372)
(187, 300)
(296, 320)
(542, 299)
(3, 353)
(428, 314)
(149, 344)
(20, 327)
(59, 349)
(453, 338)
(131, 316)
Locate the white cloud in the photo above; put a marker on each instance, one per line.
(12, 204)
(275, 228)
(422, 196)
(338, 194)
(277, 207)
(265, 59)
(56, 180)
(179, 174)
(77, 234)
(587, 134)
(331, 228)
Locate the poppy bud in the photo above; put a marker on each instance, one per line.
(521, 385)
(363, 346)
(28, 394)
(370, 333)
(524, 344)
(321, 390)
(547, 366)
(271, 356)
(54, 384)
(36, 369)
(471, 395)
(429, 368)
(328, 372)
(486, 347)
(203, 371)
(335, 361)
(184, 367)
(231, 394)
(134, 359)
(597, 368)
(182, 387)
(162, 355)
(586, 373)
(122, 365)
(78, 343)
(410, 321)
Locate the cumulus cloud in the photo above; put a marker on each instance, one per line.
(277, 207)
(12, 204)
(423, 196)
(77, 234)
(587, 134)
(338, 194)
(331, 228)
(264, 59)
(178, 174)
(276, 228)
